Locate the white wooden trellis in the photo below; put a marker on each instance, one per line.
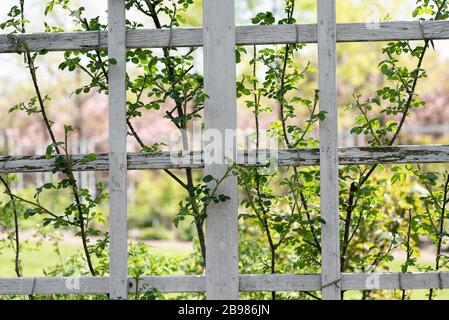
(219, 38)
(221, 116)
(327, 74)
(118, 132)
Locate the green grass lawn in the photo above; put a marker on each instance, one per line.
(172, 252)
(35, 261)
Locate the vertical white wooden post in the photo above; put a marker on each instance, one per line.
(117, 150)
(220, 117)
(330, 234)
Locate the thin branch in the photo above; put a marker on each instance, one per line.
(8, 191)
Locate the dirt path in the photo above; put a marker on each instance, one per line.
(70, 238)
(427, 252)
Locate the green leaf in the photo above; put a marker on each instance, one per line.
(91, 157)
(208, 179)
(29, 213)
(49, 152)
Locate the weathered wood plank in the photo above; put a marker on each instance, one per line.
(395, 281)
(170, 284)
(280, 282)
(329, 190)
(247, 283)
(54, 285)
(220, 118)
(117, 151)
(98, 285)
(245, 35)
(179, 160)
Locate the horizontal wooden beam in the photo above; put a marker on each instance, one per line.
(247, 283)
(245, 35)
(170, 284)
(280, 282)
(395, 281)
(97, 285)
(178, 160)
(54, 285)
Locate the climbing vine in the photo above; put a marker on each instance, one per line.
(280, 210)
